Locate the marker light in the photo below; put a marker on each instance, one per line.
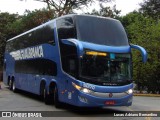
(76, 86)
(130, 91)
(96, 53)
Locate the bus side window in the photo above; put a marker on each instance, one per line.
(48, 34)
(72, 65)
(47, 67)
(66, 28)
(38, 66)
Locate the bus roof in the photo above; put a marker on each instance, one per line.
(53, 20)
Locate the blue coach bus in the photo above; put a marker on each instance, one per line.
(81, 60)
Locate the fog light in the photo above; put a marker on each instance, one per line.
(130, 91)
(83, 99)
(130, 100)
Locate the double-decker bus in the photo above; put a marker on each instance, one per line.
(81, 60)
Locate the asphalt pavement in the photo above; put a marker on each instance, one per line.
(23, 101)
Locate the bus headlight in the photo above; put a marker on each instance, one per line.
(84, 90)
(130, 91)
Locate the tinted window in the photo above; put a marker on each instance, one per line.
(4, 66)
(66, 28)
(102, 31)
(39, 36)
(37, 66)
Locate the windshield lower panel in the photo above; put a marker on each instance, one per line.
(106, 69)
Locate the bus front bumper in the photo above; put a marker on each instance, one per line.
(111, 99)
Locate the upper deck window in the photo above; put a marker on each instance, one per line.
(42, 35)
(66, 28)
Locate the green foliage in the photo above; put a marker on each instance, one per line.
(151, 8)
(5, 20)
(145, 32)
(30, 20)
(13, 24)
(2, 46)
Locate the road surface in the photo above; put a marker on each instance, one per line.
(21, 101)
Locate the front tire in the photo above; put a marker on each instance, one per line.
(10, 84)
(14, 86)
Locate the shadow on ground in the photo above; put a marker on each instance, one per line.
(67, 110)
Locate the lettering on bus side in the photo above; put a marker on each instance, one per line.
(33, 52)
(89, 86)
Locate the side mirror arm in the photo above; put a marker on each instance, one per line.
(143, 52)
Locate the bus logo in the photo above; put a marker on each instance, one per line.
(33, 52)
(110, 95)
(89, 86)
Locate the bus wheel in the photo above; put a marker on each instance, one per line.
(47, 99)
(57, 103)
(10, 84)
(14, 86)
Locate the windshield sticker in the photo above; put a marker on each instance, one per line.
(112, 56)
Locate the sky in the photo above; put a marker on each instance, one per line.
(18, 6)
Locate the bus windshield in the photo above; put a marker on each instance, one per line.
(103, 31)
(104, 70)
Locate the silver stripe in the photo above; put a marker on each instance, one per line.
(106, 95)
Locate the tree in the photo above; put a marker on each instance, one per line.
(13, 24)
(30, 20)
(2, 47)
(107, 12)
(151, 8)
(5, 20)
(145, 32)
(62, 7)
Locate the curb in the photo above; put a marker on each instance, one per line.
(147, 95)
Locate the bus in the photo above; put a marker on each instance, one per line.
(82, 60)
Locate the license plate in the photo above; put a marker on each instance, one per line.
(110, 102)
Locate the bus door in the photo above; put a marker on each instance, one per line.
(71, 68)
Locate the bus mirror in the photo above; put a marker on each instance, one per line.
(142, 50)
